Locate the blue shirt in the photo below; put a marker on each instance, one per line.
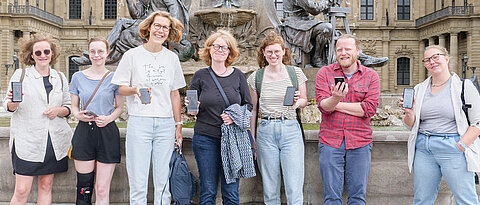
(102, 102)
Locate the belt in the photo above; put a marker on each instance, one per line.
(274, 118)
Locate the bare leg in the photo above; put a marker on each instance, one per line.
(45, 183)
(23, 185)
(102, 185)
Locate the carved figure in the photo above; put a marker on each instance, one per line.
(124, 34)
(227, 3)
(303, 33)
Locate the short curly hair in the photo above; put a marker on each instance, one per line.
(26, 48)
(270, 39)
(204, 53)
(176, 27)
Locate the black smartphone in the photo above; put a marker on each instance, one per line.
(289, 95)
(90, 113)
(192, 98)
(339, 80)
(145, 95)
(408, 94)
(17, 92)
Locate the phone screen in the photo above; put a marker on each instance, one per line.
(192, 98)
(17, 92)
(289, 95)
(145, 96)
(408, 95)
(339, 80)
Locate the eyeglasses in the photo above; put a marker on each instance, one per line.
(39, 53)
(434, 57)
(161, 27)
(276, 52)
(218, 47)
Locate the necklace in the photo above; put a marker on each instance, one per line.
(439, 85)
(226, 69)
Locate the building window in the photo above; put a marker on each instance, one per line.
(279, 7)
(403, 71)
(366, 10)
(403, 9)
(110, 9)
(72, 67)
(75, 9)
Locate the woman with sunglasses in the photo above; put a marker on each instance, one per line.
(39, 133)
(219, 52)
(442, 143)
(278, 138)
(96, 141)
(154, 124)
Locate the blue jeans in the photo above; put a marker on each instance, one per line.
(149, 138)
(280, 151)
(437, 155)
(337, 165)
(209, 161)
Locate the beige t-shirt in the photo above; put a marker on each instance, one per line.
(271, 97)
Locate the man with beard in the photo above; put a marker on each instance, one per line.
(345, 138)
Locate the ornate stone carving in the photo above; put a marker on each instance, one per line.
(404, 51)
(368, 46)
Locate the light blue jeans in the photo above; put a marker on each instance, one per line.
(280, 150)
(149, 138)
(437, 155)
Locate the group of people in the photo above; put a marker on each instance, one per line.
(442, 143)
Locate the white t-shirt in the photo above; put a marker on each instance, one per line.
(143, 69)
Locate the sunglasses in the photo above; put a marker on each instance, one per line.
(39, 53)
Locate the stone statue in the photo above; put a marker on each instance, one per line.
(227, 3)
(124, 34)
(303, 33)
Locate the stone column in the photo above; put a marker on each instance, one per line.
(431, 41)
(26, 34)
(441, 40)
(421, 67)
(385, 70)
(454, 67)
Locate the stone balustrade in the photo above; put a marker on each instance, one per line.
(389, 181)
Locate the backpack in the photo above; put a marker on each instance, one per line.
(293, 79)
(183, 185)
(465, 106)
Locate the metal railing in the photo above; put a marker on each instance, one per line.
(448, 11)
(24, 9)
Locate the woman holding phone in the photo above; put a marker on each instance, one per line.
(152, 126)
(219, 52)
(39, 134)
(441, 142)
(96, 141)
(280, 148)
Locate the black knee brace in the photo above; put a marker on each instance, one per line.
(85, 188)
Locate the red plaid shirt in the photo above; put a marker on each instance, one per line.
(363, 87)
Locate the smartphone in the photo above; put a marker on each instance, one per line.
(289, 95)
(17, 92)
(339, 80)
(90, 113)
(145, 95)
(408, 94)
(192, 98)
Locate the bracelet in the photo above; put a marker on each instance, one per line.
(179, 123)
(462, 145)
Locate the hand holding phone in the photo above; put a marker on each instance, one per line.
(289, 95)
(145, 95)
(17, 92)
(192, 98)
(408, 95)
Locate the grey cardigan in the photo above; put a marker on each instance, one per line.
(472, 153)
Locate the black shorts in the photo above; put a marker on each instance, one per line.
(96, 143)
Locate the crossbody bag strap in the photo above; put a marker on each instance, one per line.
(464, 105)
(23, 75)
(219, 86)
(93, 94)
